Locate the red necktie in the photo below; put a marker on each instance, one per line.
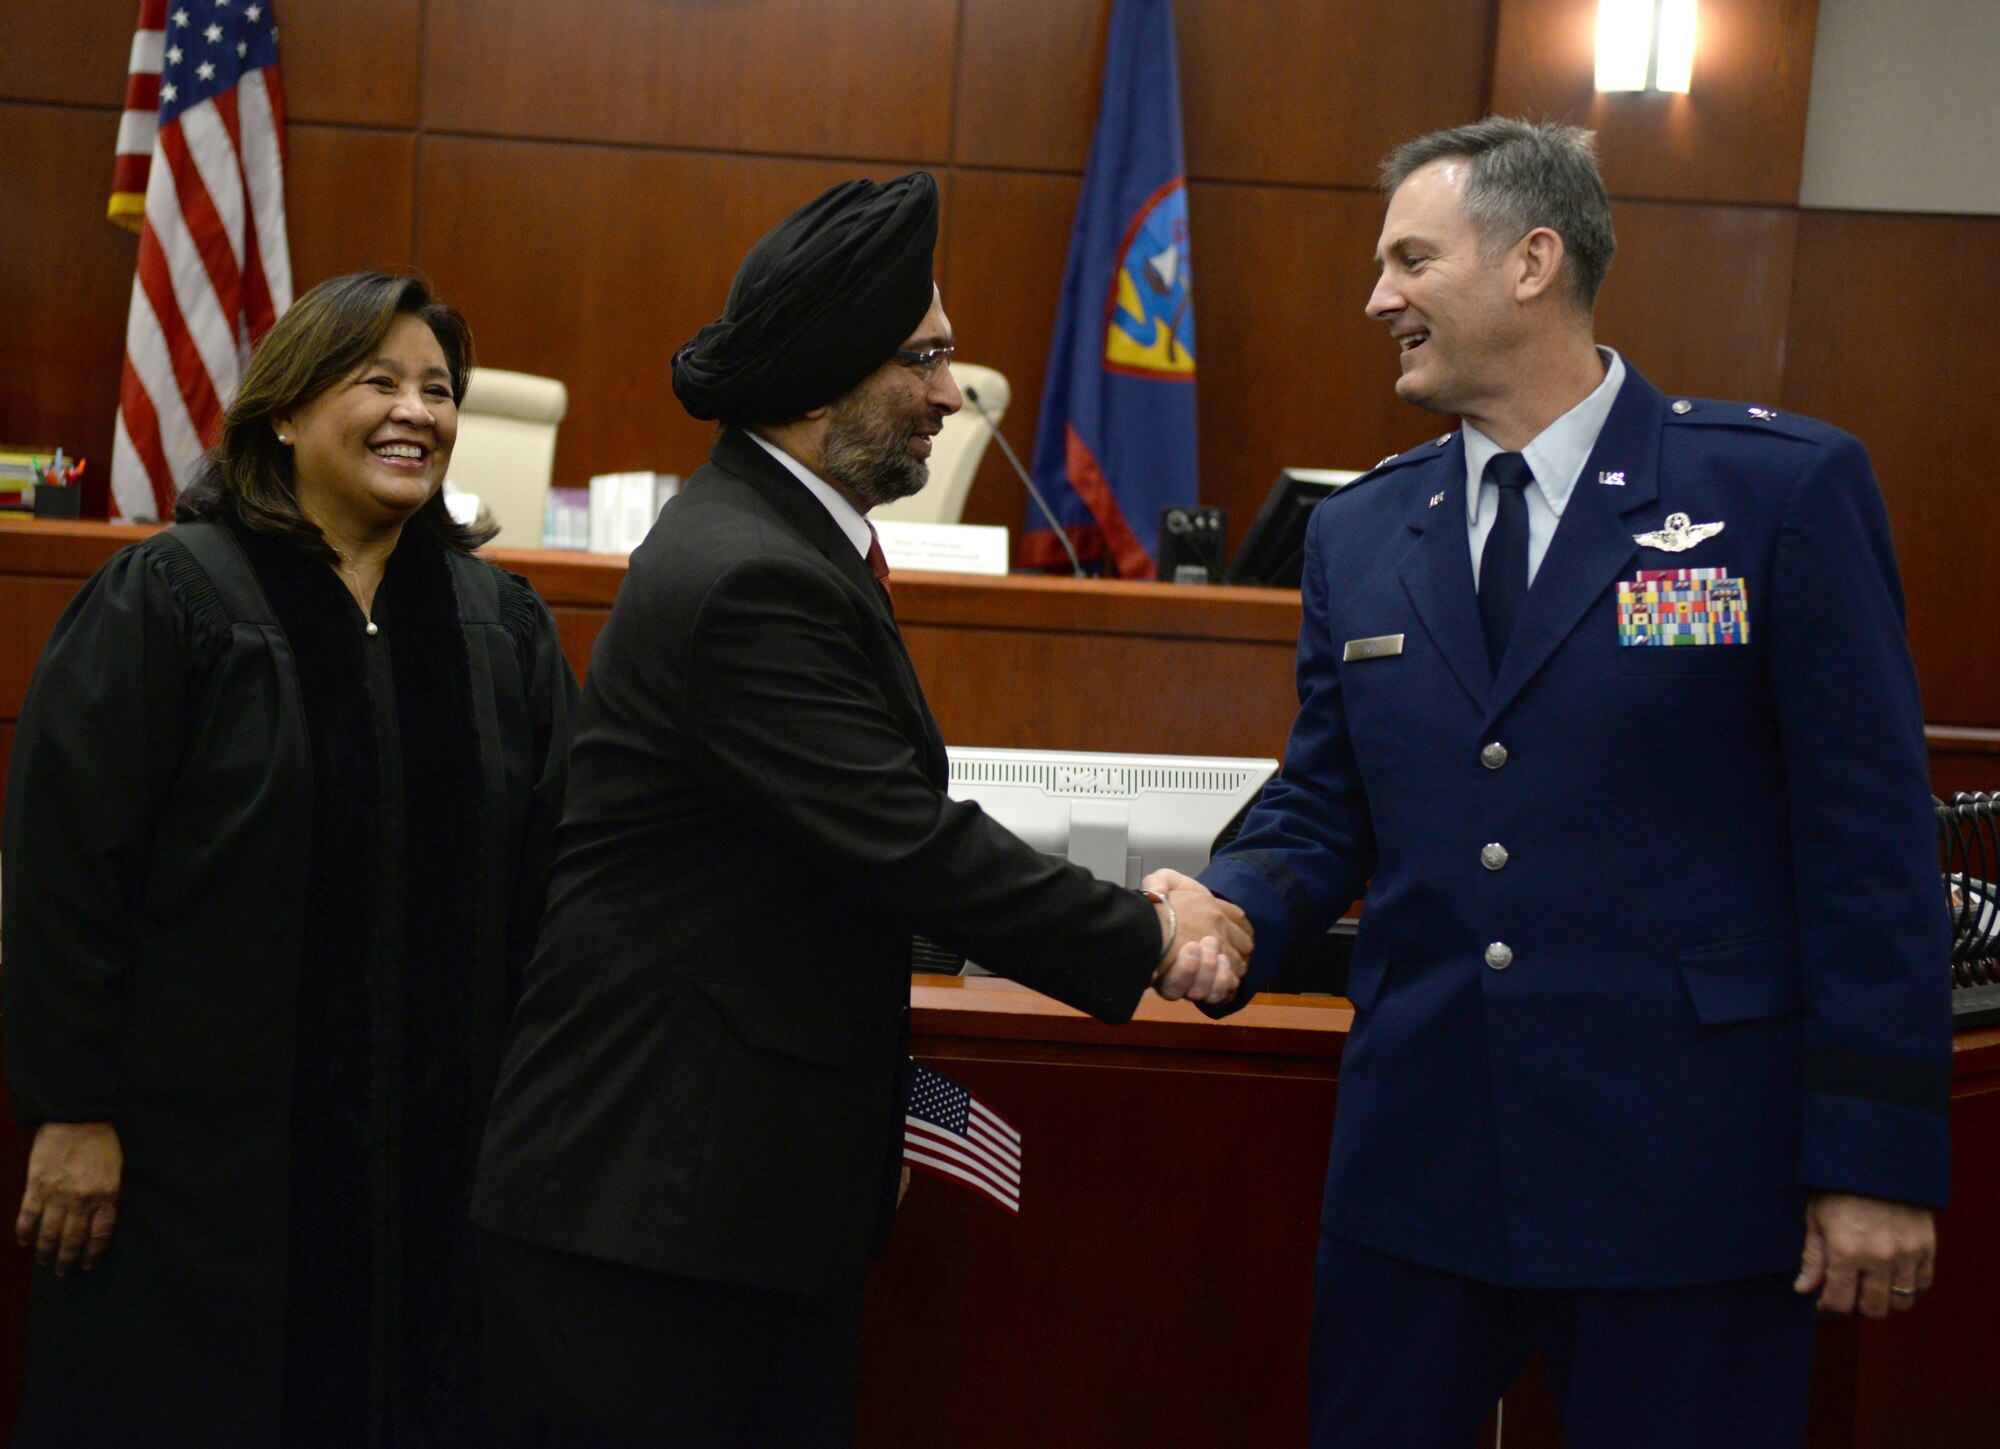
(878, 565)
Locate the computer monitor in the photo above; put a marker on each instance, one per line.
(1273, 551)
(1121, 817)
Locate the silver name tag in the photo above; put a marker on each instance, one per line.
(1380, 647)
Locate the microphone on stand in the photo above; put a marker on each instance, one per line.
(1062, 535)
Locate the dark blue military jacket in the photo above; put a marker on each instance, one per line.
(1654, 939)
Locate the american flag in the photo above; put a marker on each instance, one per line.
(951, 1133)
(200, 175)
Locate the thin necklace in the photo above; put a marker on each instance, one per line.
(347, 567)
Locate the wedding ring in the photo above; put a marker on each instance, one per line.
(1895, 1292)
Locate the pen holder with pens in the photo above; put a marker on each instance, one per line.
(57, 494)
(58, 500)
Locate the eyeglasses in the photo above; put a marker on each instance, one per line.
(927, 362)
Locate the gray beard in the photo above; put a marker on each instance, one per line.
(864, 454)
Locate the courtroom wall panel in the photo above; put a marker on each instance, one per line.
(1698, 295)
(1083, 698)
(1304, 92)
(1892, 325)
(1739, 135)
(1313, 92)
(351, 202)
(861, 79)
(65, 280)
(1294, 373)
(74, 53)
(592, 264)
(1028, 83)
(352, 61)
(1000, 262)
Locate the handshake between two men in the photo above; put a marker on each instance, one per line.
(1208, 940)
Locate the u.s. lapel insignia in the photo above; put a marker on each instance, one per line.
(1679, 535)
(1763, 415)
(1437, 498)
(1612, 480)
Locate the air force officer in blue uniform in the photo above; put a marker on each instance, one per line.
(1605, 700)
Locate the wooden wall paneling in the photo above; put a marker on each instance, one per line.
(1891, 338)
(1700, 295)
(593, 264)
(1738, 135)
(1315, 91)
(1044, 689)
(1964, 760)
(355, 61)
(1292, 373)
(1029, 80)
(76, 52)
(578, 629)
(966, 1291)
(65, 281)
(1001, 262)
(1910, 1371)
(865, 79)
(348, 201)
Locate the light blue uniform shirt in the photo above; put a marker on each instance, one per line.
(1556, 458)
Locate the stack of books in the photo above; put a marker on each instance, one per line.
(17, 476)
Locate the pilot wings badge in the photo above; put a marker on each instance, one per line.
(1679, 535)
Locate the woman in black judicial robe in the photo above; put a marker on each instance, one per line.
(277, 818)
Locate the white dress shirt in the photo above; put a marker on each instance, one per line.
(1556, 458)
(857, 528)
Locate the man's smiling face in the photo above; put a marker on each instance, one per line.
(1447, 304)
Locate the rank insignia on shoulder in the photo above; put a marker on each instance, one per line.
(1679, 535)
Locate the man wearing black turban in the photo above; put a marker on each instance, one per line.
(697, 1138)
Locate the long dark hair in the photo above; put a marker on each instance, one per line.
(320, 340)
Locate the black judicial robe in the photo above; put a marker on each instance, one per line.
(268, 895)
(705, 1076)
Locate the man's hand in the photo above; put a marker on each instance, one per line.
(71, 1201)
(1212, 941)
(1867, 1253)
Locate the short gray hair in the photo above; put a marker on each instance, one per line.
(1521, 175)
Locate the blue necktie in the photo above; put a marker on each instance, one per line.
(1503, 566)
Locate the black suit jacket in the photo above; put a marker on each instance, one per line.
(705, 1076)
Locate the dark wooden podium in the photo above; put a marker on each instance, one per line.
(1155, 1291)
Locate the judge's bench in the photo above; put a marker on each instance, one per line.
(1156, 1287)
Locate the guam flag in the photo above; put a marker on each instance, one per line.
(1116, 439)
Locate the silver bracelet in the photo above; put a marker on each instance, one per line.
(1173, 925)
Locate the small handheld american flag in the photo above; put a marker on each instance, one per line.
(950, 1133)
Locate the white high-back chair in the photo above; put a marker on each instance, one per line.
(955, 453)
(506, 451)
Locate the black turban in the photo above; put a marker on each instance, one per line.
(817, 305)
